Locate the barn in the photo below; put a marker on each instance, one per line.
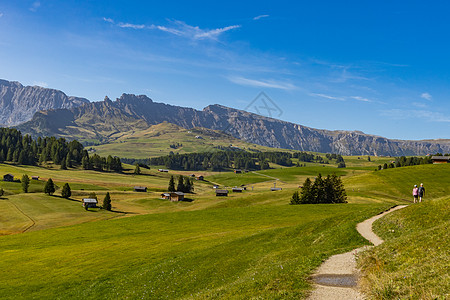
(440, 159)
(140, 189)
(8, 177)
(89, 202)
(173, 196)
(221, 193)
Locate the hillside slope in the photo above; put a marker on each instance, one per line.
(413, 263)
(101, 120)
(18, 103)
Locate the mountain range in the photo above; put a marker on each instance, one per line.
(104, 121)
(18, 103)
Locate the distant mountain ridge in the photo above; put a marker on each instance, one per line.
(101, 121)
(19, 103)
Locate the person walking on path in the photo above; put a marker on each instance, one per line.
(415, 193)
(421, 192)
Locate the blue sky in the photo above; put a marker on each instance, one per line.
(381, 67)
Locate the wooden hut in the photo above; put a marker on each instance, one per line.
(440, 159)
(237, 171)
(140, 189)
(8, 177)
(89, 202)
(173, 196)
(35, 177)
(200, 178)
(221, 193)
(237, 190)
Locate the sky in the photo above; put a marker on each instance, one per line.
(380, 67)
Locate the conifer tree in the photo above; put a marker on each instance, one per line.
(63, 165)
(49, 187)
(137, 170)
(25, 183)
(107, 202)
(68, 160)
(171, 187)
(180, 186)
(66, 192)
(295, 198)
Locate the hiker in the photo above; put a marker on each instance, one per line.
(421, 192)
(415, 193)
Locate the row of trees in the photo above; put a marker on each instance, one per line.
(185, 184)
(23, 150)
(404, 161)
(328, 190)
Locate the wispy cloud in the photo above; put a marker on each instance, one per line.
(34, 7)
(1, 14)
(361, 99)
(40, 83)
(179, 28)
(273, 84)
(327, 96)
(109, 20)
(260, 17)
(426, 115)
(129, 25)
(426, 96)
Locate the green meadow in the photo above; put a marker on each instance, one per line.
(247, 245)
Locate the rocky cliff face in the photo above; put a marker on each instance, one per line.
(104, 120)
(19, 103)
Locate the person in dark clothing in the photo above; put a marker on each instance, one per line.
(421, 192)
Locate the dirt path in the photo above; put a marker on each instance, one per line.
(337, 277)
(27, 216)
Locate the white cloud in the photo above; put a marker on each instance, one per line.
(426, 96)
(1, 14)
(109, 20)
(361, 99)
(40, 83)
(34, 7)
(128, 25)
(260, 17)
(273, 84)
(327, 96)
(427, 115)
(180, 28)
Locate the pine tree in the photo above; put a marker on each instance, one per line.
(180, 186)
(307, 195)
(137, 170)
(295, 198)
(66, 192)
(49, 187)
(107, 202)
(171, 187)
(25, 183)
(63, 165)
(68, 160)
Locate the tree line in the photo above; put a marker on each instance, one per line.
(222, 160)
(185, 184)
(328, 190)
(23, 150)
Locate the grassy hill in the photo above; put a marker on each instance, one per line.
(157, 139)
(413, 263)
(250, 244)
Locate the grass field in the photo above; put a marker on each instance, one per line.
(247, 245)
(156, 141)
(414, 262)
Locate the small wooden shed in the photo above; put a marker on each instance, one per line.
(237, 171)
(173, 196)
(35, 177)
(440, 159)
(237, 190)
(275, 189)
(140, 189)
(200, 178)
(221, 193)
(8, 177)
(89, 202)
(163, 170)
